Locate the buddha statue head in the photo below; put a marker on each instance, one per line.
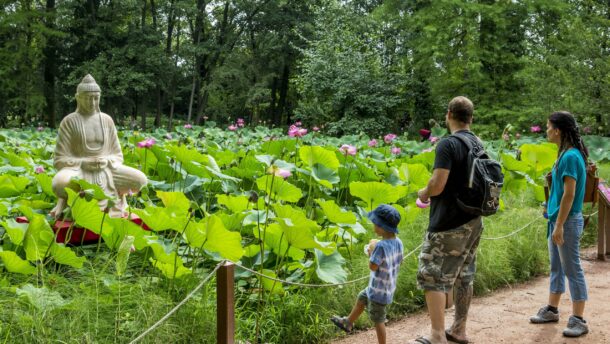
(88, 96)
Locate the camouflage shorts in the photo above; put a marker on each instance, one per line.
(448, 256)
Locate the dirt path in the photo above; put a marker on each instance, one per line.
(502, 317)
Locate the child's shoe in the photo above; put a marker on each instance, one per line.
(342, 323)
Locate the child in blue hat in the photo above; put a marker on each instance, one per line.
(385, 259)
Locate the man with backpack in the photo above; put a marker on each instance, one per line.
(465, 184)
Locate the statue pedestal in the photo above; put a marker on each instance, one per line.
(79, 235)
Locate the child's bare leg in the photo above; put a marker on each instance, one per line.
(380, 329)
(356, 311)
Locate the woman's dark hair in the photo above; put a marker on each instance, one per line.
(570, 134)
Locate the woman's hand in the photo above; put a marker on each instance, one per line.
(558, 234)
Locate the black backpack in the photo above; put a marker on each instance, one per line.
(480, 195)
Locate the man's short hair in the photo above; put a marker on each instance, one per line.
(462, 109)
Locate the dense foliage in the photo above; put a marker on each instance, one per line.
(291, 207)
(348, 65)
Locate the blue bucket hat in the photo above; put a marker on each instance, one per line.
(386, 217)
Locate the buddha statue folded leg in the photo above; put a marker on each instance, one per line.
(60, 182)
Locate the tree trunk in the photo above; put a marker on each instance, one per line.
(199, 31)
(50, 61)
(284, 92)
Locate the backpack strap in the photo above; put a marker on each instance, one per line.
(464, 139)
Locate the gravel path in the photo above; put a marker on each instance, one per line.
(502, 317)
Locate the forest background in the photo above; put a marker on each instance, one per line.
(345, 66)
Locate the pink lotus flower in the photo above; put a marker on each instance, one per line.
(505, 137)
(188, 126)
(39, 169)
(395, 150)
(298, 123)
(146, 143)
(348, 150)
(232, 127)
(240, 122)
(316, 129)
(295, 131)
(433, 139)
(389, 138)
(535, 129)
(373, 143)
(587, 130)
(40, 128)
(282, 173)
(517, 135)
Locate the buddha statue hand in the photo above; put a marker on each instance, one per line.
(94, 164)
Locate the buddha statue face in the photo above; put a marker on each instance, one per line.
(88, 102)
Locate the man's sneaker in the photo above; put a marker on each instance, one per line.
(576, 327)
(544, 315)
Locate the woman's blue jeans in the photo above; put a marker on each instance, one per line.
(565, 260)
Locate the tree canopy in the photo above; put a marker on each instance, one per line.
(344, 65)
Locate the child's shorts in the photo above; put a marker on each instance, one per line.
(376, 310)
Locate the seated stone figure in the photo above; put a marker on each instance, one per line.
(88, 148)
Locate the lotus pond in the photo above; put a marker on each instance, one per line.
(288, 206)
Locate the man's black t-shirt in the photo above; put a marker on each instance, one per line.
(451, 154)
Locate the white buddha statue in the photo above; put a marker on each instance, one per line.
(88, 148)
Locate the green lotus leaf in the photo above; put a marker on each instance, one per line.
(64, 255)
(38, 238)
(175, 202)
(276, 240)
(15, 160)
(248, 168)
(236, 204)
(335, 214)
(43, 299)
(270, 285)
(121, 228)
(278, 147)
(171, 270)
(324, 175)
(416, 176)
(123, 254)
(312, 155)
(232, 222)
(86, 214)
(425, 158)
(265, 159)
(376, 193)
(11, 186)
(46, 184)
(15, 230)
(213, 236)
(252, 250)
(160, 219)
(512, 164)
(34, 203)
(13, 263)
(329, 268)
(539, 156)
(279, 189)
(298, 237)
(3, 209)
(408, 214)
(255, 217)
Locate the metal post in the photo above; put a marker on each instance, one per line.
(225, 311)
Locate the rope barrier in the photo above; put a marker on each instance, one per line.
(307, 285)
(188, 297)
(512, 233)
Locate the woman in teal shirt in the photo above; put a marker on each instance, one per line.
(565, 224)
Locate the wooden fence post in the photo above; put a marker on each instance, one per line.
(603, 227)
(225, 310)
